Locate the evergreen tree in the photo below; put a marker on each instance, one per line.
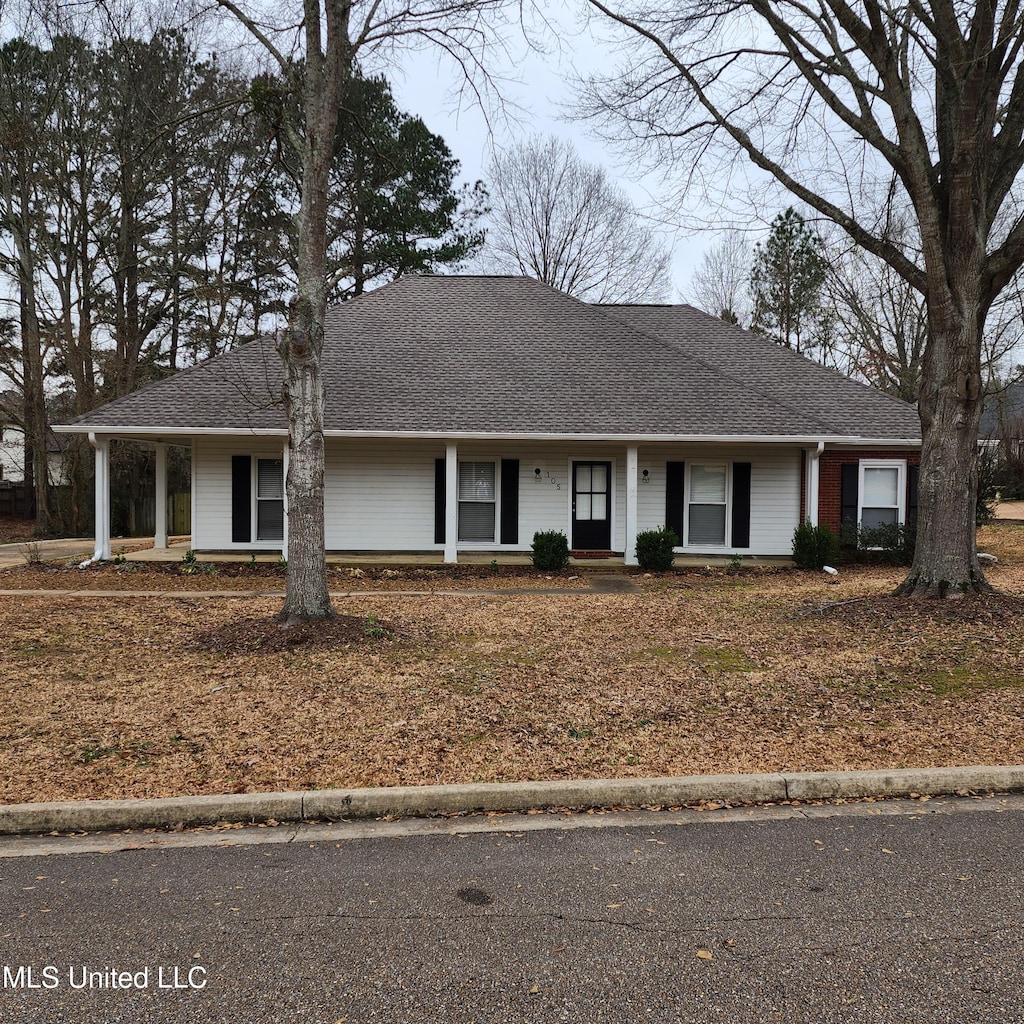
(787, 280)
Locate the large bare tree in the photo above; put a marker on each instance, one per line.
(721, 283)
(315, 45)
(845, 103)
(559, 219)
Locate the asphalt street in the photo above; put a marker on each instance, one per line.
(863, 916)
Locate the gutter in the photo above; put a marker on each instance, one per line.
(165, 432)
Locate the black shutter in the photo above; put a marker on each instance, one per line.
(849, 484)
(912, 475)
(674, 498)
(440, 495)
(241, 499)
(509, 501)
(741, 504)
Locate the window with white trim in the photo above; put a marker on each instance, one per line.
(882, 493)
(477, 501)
(708, 500)
(270, 499)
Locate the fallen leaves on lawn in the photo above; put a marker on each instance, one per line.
(698, 674)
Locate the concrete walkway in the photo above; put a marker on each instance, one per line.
(65, 550)
(1010, 510)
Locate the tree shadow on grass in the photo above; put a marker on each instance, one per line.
(261, 635)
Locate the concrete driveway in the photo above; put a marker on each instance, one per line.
(79, 548)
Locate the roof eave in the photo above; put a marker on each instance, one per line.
(473, 435)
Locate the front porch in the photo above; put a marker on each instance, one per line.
(423, 503)
(176, 549)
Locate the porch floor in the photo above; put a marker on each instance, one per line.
(176, 550)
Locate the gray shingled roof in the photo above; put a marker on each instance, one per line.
(508, 355)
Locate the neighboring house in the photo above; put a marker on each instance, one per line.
(12, 445)
(1002, 419)
(465, 413)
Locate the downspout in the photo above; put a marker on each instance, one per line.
(813, 483)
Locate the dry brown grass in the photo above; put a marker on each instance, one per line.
(700, 673)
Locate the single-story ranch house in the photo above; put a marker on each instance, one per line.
(465, 413)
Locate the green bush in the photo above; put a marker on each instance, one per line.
(654, 549)
(892, 543)
(814, 546)
(550, 550)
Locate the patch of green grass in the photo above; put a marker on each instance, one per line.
(374, 629)
(465, 679)
(669, 654)
(970, 678)
(722, 659)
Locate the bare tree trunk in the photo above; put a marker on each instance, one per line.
(301, 348)
(306, 594)
(35, 414)
(945, 557)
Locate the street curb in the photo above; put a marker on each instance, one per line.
(424, 801)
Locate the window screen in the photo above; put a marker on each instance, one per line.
(707, 505)
(476, 501)
(880, 496)
(270, 499)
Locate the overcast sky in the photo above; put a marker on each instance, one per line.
(540, 88)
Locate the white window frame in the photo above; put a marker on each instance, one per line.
(468, 545)
(900, 465)
(256, 499)
(715, 464)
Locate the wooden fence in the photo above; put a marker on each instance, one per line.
(142, 515)
(15, 501)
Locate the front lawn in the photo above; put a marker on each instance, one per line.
(702, 672)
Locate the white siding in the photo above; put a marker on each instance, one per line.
(774, 492)
(12, 453)
(380, 494)
(211, 523)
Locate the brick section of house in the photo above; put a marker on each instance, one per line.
(830, 469)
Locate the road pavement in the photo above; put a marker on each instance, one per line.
(866, 913)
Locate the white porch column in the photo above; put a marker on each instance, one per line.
(284, 504)
(160, 528)
(451, 503)
(631, 513)
(101, 446)
(813, 482)
(193, 493)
